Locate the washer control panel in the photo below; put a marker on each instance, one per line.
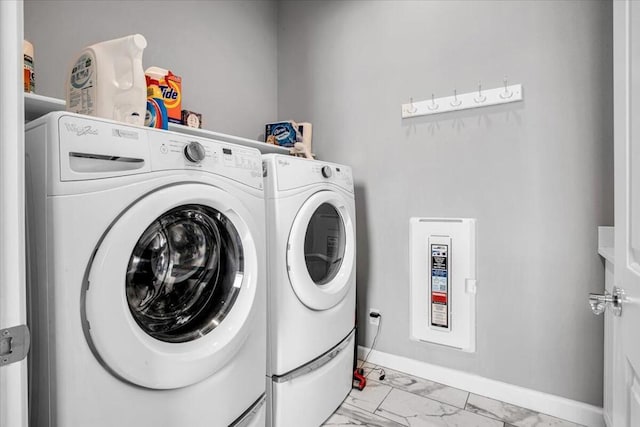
(175, 151)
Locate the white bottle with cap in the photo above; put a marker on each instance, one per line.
(107, 80)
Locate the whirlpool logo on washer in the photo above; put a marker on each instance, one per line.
(80, 130)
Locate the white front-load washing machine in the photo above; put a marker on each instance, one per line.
(146, 277)
(311, 248)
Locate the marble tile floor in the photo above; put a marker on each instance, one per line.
(404, 400)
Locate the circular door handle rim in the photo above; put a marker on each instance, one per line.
(306, 290)
(140, 358)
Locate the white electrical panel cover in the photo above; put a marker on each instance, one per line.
(443, 281)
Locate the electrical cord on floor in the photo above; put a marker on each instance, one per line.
(373, 344)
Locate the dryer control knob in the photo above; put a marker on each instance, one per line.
(326, 171)
(194, 152)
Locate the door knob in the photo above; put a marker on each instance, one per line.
(600, 302)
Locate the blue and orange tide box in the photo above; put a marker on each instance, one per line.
(171, 89)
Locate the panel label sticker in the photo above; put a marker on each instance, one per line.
(440, 286)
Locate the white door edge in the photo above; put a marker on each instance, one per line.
(13, 377)
(626, 347)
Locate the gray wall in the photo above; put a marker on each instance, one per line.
(537, 175)
(225, 51)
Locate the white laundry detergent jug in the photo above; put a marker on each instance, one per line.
(107, 80)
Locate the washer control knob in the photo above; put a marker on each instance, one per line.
(326, 171)
(194, 152)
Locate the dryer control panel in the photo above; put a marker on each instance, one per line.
(293, 172)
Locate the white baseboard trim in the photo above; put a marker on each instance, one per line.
(567, 409)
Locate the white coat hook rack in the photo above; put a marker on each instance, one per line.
(480, 98)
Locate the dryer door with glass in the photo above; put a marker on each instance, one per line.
(321, 250)
(171, 289)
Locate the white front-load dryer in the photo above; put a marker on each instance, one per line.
(311, 289)
(146, 277)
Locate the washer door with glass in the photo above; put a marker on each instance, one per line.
(321, 251)
(171, 288)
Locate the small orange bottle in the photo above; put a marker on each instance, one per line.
(29, 75)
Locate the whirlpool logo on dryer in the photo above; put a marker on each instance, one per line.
(80, 130)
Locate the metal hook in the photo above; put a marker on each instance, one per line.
(456, 102)
(481, 98)
(506, 94)
(412, 108)
(433, 105)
